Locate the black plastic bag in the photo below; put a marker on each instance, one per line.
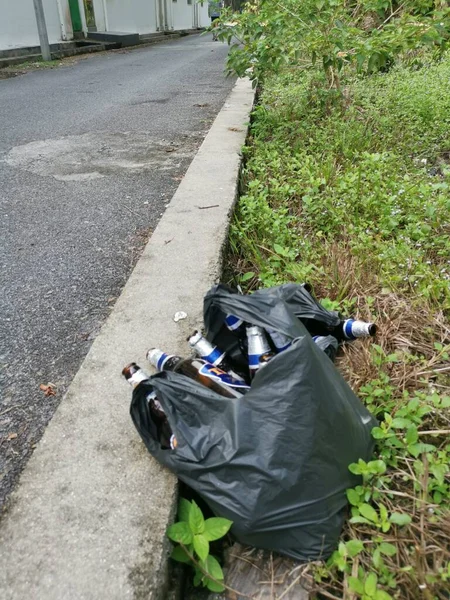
(268, 306)
(275, 462)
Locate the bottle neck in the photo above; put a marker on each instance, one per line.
(159, 359)
(257, 341)
(207, 351)
(136, 378)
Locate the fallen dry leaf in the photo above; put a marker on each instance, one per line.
(234, 129)
(49, 389)
(12, 436)
(201, 105)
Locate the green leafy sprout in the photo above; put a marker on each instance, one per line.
(193, 533)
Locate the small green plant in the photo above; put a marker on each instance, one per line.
(330, 35)
(356, 202)
(193, 533)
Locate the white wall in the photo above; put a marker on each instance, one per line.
(131, 16)
(18, 23)
(182, 14)
(142, 16)
(204, 20)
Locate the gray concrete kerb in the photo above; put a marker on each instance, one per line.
(88, 518)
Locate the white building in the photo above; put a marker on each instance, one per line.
(64, 17)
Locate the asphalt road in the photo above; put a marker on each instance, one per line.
(90, 155)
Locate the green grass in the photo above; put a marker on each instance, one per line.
(374, 177)
(354, 197)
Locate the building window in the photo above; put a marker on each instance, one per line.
(189, 1)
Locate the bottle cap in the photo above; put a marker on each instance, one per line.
(194, 338)
(134, 374)
(129, 370)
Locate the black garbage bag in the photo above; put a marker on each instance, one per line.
(275, 461)
(269, 306)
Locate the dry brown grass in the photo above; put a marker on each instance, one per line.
(409, 328)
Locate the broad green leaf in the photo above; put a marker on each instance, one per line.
(196, 520)
(391, 358)
(280, 250)
(359, 520)
(411, 436)
(370, 585)
(378, 392)
(355, 468)
(184, 508)
(376, 559)
(247, 276)
(382, 595)
(201, 546)
(368, 512)
(180, 555)
(213, 586)
(377, 466)
(399, 518)
(180, 532)
(413, 404)
(387, 549)
(378, 433)
(216, 527)
(420, 448)
(353, 497)
(400, 423)
(385, 526)
(356, 585)
(439, 471)
(354, 547)
(212, 566)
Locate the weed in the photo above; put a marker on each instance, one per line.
(193, 533)
(355, 199)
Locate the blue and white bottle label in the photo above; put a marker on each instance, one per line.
(348, 329)
(253, 361)
(216, 374)
(280, 341)
(215, 357)
(233, 322)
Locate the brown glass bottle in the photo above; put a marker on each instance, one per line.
(200, 370)
(163, 432)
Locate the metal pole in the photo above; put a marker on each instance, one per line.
(42, 30)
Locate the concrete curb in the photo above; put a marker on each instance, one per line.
(87, 520)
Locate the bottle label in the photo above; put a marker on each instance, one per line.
(253, 361)
(233, 322)
(348, 329)
(281, 342)
(257, 346)
(216, 374)
(215, 357)
(162, 359)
